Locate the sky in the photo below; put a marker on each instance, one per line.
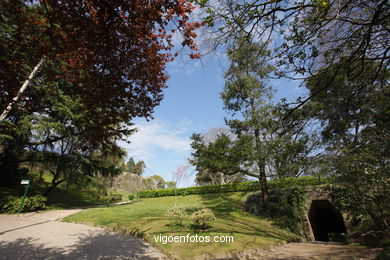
(191, 104)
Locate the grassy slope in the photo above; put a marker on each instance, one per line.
(59, 198)
(147, 218)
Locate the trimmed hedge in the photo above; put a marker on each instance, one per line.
(234, 187)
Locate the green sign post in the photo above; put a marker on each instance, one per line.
(24, 182)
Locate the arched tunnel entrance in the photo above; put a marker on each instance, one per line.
(326, 220)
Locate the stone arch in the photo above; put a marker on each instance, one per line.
(325, 219)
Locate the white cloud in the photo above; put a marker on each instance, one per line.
(154, 135)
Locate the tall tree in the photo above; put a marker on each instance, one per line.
(246, 92)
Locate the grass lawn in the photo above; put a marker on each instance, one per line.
(147, 219)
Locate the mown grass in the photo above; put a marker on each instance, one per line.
(147, 219)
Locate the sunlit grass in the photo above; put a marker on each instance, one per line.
(147, 219)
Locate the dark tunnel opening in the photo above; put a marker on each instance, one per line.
(326, 221)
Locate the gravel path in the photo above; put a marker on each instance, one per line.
(42, 236)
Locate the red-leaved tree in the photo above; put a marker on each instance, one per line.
(112, 53)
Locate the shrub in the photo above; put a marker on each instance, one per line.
(202, 218)
(112, 198)
(131, 196)
(11, 204)
(177, 213)
(234, 187)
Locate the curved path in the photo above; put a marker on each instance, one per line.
(42, 236)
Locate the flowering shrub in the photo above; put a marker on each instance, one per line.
(202, 218)
(177, 213)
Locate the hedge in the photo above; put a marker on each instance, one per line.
(234, 187)
(11, 203)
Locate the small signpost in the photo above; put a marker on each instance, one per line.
(24, 182)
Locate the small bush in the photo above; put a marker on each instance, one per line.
(112, 198)
(131, 196)
(202, 218)
(177, 213)
(11, 204)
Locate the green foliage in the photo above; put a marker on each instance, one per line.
(287, 206)
(11, 204)
(202, 218)
(352, 101)
(234, 187)
(131, 196)
(177, 213)
(221, 156)
(362, 185)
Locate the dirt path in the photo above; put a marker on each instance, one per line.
(317, 251)
(42, 236)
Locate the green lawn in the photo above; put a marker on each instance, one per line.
(147, 219)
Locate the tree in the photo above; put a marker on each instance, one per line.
(159, 182)
(138, 168)
(57, 140)
(310, 35)
(294, 142)
(130, 165)
(219, 162)
(245, 92)
(354, 113)
(113, 52)
(102, 60)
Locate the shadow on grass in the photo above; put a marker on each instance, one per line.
(227, 208)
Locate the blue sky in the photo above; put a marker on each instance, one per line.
(191, 104)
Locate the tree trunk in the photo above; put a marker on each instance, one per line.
(20, 92)
(52, 187)
(260, 160)
(264, 187)
(262, 175)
